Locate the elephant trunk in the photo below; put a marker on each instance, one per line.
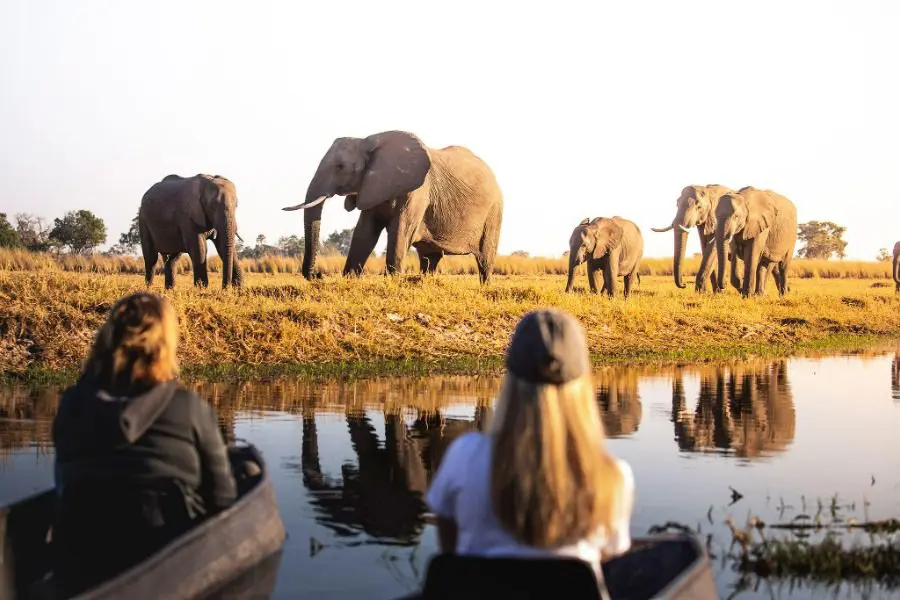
(680, 248)
(573, 262)
(312, 220)
(720, 255)
(229, 229)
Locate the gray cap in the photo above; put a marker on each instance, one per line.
(548, 346)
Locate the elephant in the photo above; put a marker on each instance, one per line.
(895, 269)
(696, 207)
(179, 214)
(440, 201)
(745, 409)
(614, 245)
(761, 226)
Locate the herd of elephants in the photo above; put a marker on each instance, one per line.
(447, 201)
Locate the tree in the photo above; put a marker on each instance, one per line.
(339, 242)
(131, 239)
(520, 253)
(883, 255)
(291, 245)
(261, 240)
(8, 236)
(821, 239)
(80, 230)
(33, 232)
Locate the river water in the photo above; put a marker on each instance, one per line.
(351, 459)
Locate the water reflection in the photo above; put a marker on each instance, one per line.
(746, 409)
(895, 377)
(620, 403)
(382, 493)
(351, 460)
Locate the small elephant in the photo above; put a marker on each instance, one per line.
(696, 207)
(614, 245)
(178, 215)
(761, 225)
(440, 201)
(895, 270)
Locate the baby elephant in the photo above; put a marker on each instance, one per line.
(614, 245)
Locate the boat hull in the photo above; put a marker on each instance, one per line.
(201, 562)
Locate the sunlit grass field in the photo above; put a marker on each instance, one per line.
(50, 309)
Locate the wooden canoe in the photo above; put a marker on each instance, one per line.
(668, 566)
(237, 549)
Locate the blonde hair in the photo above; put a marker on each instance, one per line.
(552, 481)
(136, 346)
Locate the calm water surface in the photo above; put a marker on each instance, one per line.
(351, 460)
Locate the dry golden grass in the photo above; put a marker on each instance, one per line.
(49, 316)
(20, 260)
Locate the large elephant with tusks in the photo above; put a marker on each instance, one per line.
(440, 201)
(696, 207)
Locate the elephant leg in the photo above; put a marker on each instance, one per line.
(488, 246)
(762, 278)
(783, 268)
(151, 255)
(401, 231)
(365, 236)
(168, 269)
(196, 245)
(628, 280)
(610, 273)
(592, 268)
(707, 264)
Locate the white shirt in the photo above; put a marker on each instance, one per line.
(461, 490)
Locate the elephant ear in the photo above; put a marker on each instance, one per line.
(397, 165)
(760, 216)
(615, 232)
(201, 194)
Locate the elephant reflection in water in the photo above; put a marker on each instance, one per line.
(26, 418)
(895, 377)
(620, 404)
(383, 494)
(745, 408)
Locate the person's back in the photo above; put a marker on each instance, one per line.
(541, 483)
(139, 459)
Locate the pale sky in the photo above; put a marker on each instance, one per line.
(582, 109)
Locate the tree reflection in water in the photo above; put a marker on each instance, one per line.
(746, 409)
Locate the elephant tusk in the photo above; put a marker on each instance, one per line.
(664, 229)
(315, 202)
(684, 229)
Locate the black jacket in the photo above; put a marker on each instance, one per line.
(166, 433)
(132, 474)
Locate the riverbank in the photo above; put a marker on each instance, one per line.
(285, 325)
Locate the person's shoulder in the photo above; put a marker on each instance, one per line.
(467, 446)
(626, 471)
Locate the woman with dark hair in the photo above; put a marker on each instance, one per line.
(139, 459)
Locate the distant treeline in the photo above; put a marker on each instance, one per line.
(23, 260)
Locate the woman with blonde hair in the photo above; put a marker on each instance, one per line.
(541, 482)
(139, 459)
